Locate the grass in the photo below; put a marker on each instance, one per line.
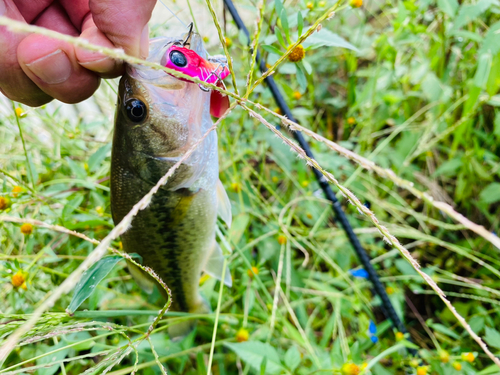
(414, 108)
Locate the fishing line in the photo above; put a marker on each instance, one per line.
(387, 306)
(173, 14)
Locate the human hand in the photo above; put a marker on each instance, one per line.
(35, 69)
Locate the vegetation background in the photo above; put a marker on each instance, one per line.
(410, 85)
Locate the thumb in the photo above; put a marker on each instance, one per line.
(124, 23)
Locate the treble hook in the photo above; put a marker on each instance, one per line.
(188, 37)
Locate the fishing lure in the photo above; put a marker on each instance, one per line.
(212, 70)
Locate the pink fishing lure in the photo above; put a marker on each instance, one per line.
(189, 62)
(212, 71)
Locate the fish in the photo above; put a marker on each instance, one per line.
(158, 118)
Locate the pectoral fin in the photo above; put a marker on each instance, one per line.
(223, 205)
(215, 264)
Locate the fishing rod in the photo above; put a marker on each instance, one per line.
(387, 307)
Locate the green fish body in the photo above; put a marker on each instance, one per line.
(159, 118)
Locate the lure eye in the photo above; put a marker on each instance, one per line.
(178, 59)
(136, 110)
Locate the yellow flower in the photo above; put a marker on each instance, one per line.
(281, 239)
(350, 369)
(457, 365)
(205, 39)
(351, 120)
(18, 279)
(322, 4)
(24, 286)
(242, 335)
(297, 54)
(275, 179)
(16, 190)
(99, 210)
(305, 183)
(120, 245)
(400, 336)
(310, 5)
(468, 357)
(277, 110)
(444, 356)
(26, 229)
(389, 290)
(20, 113)
(3, 203)
(356, 3)
(229, 42)
(255, 271)
(297, 95)
(204, 278)
(236, 187)
(422, 370)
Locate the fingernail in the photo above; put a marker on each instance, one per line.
(52, 69)
(144, 47)
(3, 9)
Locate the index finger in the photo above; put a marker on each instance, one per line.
(124, 23)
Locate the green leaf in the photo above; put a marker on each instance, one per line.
(279, 6)
(301, 78)
(71, 206)
(449, 7)
(448, 168)
(483, 70)
(328, 39)
(76, 169)
(292, 358)
(491, 41)
(279, 36)
(491, 193)
(254, 352)
(492, 337)
(284, 24)
(57, 356)
(90, 279)
(496, 130)
(300, 23)
(441, 328)
(271, 49)
(468, 13)
(98, 157)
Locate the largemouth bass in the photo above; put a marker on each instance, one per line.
(159, 118)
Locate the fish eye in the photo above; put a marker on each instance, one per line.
(178, 59)
(136, 110)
